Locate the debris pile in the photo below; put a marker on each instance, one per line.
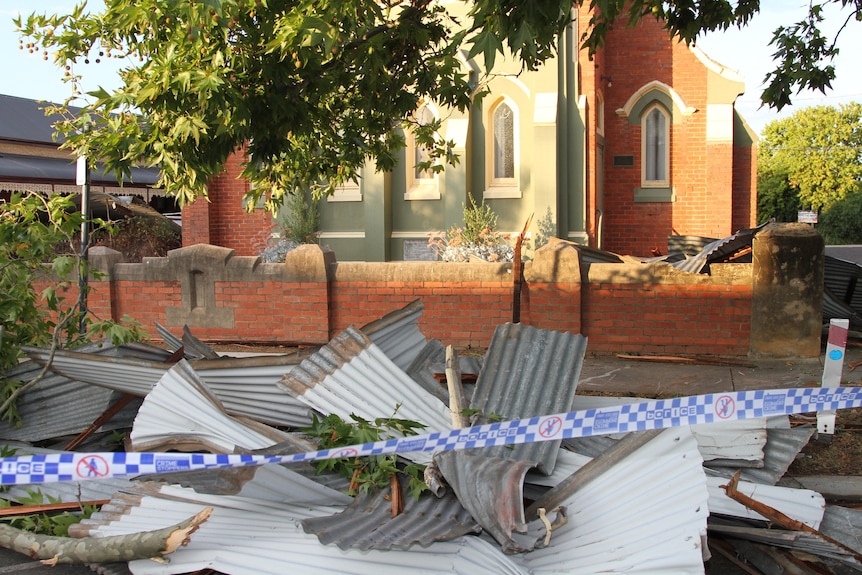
(659, 501)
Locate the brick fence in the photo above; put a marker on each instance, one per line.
(622, 308)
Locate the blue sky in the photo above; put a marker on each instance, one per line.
(746, 51)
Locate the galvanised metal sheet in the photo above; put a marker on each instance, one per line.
(181, 413)
(352, 375)
(529, 372)
(492, 490)
(57, 406)
(782, 447)
(247, 386)
(245, 536)
(800, 504)
(740, 443)
(800, 542)
(368, 523)
(398, 335)
(644, 513)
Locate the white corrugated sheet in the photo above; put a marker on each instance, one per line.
(246, 386)
(352, 375)
(741, 440)
(800, 504)
(181, 413)
(252, 537)
(646, 514)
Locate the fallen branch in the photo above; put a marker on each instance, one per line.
(48, 507)
(778, 518)
(116, 548)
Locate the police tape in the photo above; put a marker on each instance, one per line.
(653, 414)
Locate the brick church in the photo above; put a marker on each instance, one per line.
(624, 150)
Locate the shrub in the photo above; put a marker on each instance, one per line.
(477, 239)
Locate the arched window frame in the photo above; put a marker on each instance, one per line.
(655, 139)
(503, 186)
(421, 185)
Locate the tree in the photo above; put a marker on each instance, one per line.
(309, 90)
(842, 222)
(818, 151)
(33, 230)
(776, 198)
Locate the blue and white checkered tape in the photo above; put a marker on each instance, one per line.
(653, 414)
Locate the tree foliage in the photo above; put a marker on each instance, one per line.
(818, 150)
(842, 222)
(776, 198)
(31, 229)
(310, 89)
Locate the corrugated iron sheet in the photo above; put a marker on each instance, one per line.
(842, 278)
(529, 372)
(421, 371)
(245, 536)
(801, 542)
(782, 447)
(730, 443)
(719, 251)
(491, 489)
(182, 413)
(397, 333)
(431, 360)
(246, 386)
(800, 504)
(644, 513)
(58, 406)
(844, 525)
(352, 375)
(368, 523)
(192, 347)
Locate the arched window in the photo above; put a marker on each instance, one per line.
(502, 150)
(424, 116)
(504, 143)
(655, 147)
(422, 181)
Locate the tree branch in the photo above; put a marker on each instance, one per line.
(112, 549)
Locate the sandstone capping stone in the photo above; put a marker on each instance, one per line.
(102, 259)
(410, 272)
(558, 261)
(309, 263)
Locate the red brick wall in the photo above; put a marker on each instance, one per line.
(264, 312)
(744, 187)
(463, 314)
(701, 175)
(621, 308)
(660, 319)
(223, 221)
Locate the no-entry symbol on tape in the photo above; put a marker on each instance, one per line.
(93, 466)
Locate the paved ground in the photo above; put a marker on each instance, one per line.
(630, 376)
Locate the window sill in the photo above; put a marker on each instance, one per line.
(502, 192)
(423, 192)
(643, 195)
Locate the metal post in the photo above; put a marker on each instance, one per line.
(83, 180)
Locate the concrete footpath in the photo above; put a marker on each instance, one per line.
(664, 377)
(613, 374)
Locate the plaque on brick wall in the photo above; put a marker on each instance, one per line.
(418, 251)
(624, 160)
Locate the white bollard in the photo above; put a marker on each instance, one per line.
(833, 369)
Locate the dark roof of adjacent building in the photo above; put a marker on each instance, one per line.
(24, 120)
